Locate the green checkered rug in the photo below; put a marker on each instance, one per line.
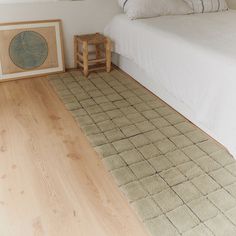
(177, 179)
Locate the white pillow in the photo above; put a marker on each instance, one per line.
(136, 9)
(201, 6)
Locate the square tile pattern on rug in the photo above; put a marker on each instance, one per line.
(177, 179)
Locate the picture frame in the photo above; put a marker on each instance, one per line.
(31, 49)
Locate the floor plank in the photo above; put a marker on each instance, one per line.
(51, 181)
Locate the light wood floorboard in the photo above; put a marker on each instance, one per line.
(51, 180)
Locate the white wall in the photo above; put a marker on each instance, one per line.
(232, 4)
(78, 17)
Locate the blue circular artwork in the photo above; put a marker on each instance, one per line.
(28, 50)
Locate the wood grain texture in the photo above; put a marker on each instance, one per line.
(51, 180)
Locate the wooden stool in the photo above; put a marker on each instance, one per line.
(101, 46)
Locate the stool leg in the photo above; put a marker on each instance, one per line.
(76, 50)
(108, 55)
(98, 54)
(85, 58)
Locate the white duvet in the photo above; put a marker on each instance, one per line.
(193, 57)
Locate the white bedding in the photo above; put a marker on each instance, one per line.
(192, 59)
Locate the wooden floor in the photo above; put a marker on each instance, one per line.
(51, 181)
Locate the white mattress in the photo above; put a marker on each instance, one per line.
(190, 62)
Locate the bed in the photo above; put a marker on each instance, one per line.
(189, 61)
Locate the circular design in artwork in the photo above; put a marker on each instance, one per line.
(28, 50)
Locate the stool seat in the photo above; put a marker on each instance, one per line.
(92, 38)
(92, 44)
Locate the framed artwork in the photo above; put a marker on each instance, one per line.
(29, 49)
